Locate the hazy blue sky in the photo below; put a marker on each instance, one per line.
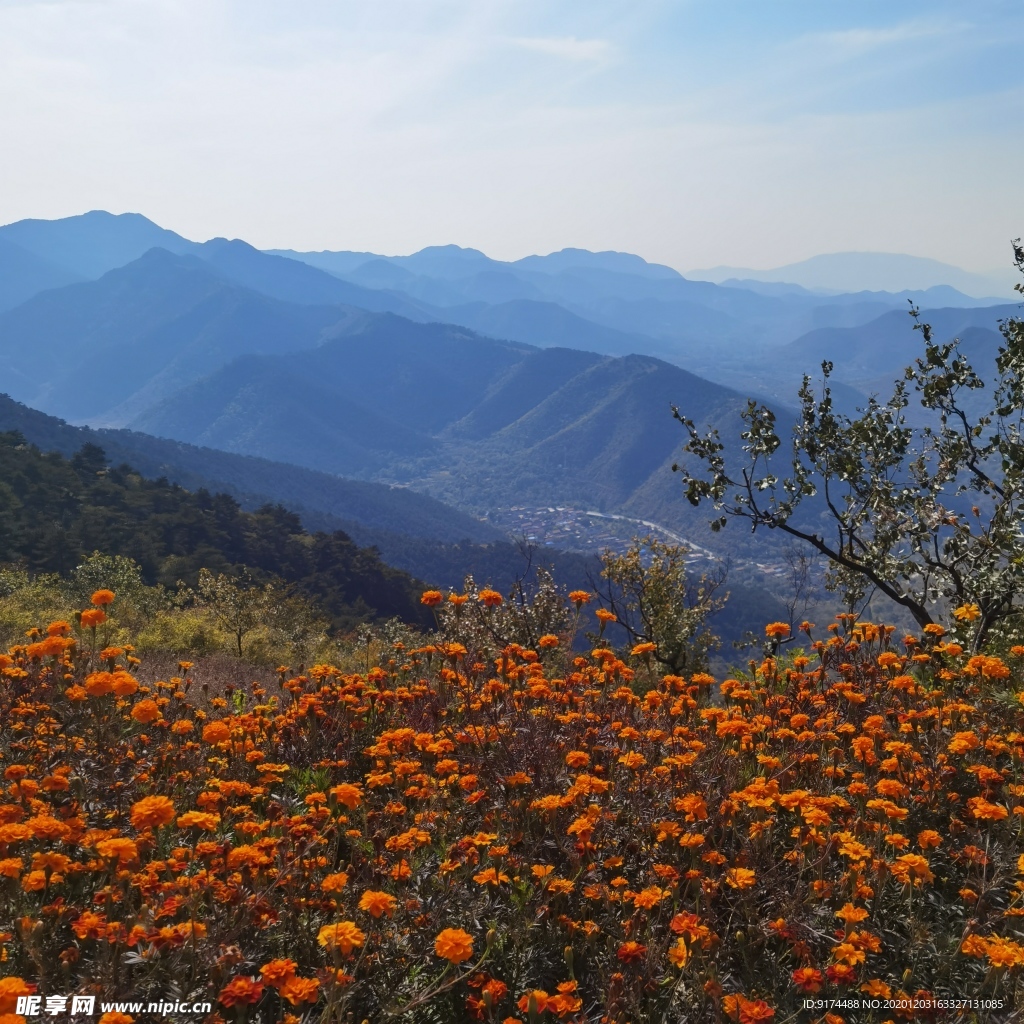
(694, 133)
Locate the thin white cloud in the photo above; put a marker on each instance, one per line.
(856, 42)
(567, 47)
(506, 127)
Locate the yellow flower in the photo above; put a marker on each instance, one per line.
(967, 613)
(679, 954)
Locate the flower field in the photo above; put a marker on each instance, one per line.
(477, 830)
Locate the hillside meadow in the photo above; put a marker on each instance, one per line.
(486, 823)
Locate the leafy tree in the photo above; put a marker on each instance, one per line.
(927, 508)
(240, 605)
(654, 600)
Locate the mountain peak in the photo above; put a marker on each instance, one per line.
(617, 262)
(90, 244)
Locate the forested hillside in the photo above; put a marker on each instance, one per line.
(55, 511)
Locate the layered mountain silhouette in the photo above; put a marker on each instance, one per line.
(324, 500)
(477, 422)
(24, 274)
(481, 382)
(868, 271)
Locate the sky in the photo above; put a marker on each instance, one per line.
(692, 132)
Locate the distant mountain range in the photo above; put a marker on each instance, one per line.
(480, 382)
(867, 272)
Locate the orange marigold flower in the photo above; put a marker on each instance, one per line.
(377, 903)
(580, 597)
(490, 598)
(841, 974)
(630, 952)
(967, 613)
(679, 953)
(928, 838)
(146, 711)
(777, 629)
(535, 1002)
(125, 850)
(349, 794)
(807, 979)
(547, 641)
(877, 988)
(985, 810)
(152, 812)
(240, 991)
(114, 1017)
(10, 989)
(124, 684)
(202, 820)
(753, 1011)
(248, 856)
(35, 881)
(1005, 952)
(740, 878)
(645, 648)
(99, 684)
(851, 914)
(649, 897)
(974, 945)
(490, 876)
(431, 598)
(577, 759)
(278, 971)
(454, 945)
(89, 925)
(300, 990)
(11, 867)
(605, 616)
(633, 760)
(912, 869)
(216, 732)
(45, 826)
(92, 617)
(335, 882)
(344, 936)
(101, 597)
